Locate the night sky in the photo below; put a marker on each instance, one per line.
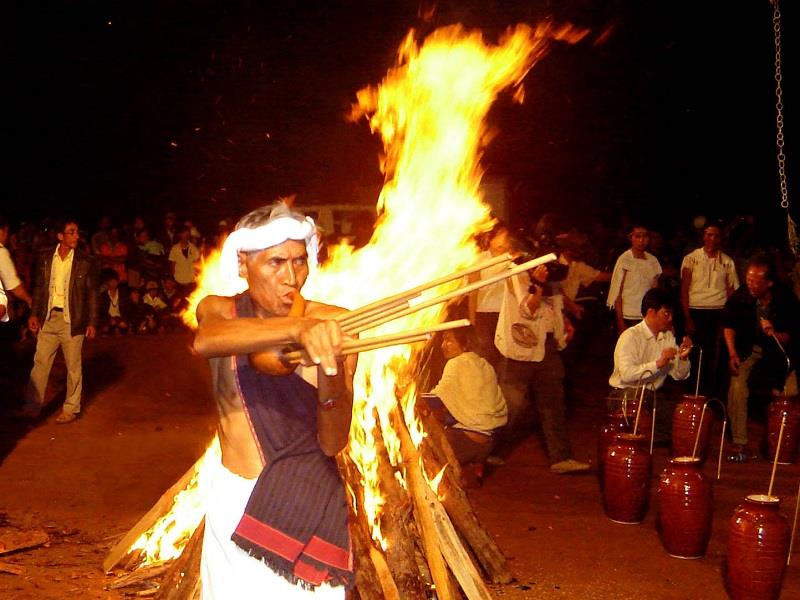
(210, 108)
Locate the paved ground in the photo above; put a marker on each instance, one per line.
(149, 415)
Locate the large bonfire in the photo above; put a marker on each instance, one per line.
(430, 111)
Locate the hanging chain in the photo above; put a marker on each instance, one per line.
(776, 26)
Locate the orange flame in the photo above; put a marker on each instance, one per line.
(430, 111)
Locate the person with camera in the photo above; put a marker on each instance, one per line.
(531, 331)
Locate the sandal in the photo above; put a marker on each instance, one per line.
(740, 455)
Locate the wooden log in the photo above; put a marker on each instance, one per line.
(454, 552)
(12, 540)
(436, 441)
(158, 510)
(12, 569)
(427, 528)
(139, 575)
(183, 578)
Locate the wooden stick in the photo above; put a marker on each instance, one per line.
(794, 527)
(416, 484)
(12, 569)
(397, 299)
(777, 454)
(139, 575)
(413, 307)
(183, 578)
(639, 411)
(158, 510)
(392, 339)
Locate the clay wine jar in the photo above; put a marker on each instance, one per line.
(626, 486)
(758, 544)
(684, 501)
(686, 422)
(780, 406)
(615, 424)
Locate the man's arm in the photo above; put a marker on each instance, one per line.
(335, 408)
(730, 341)
(686, 282)
(219, 334)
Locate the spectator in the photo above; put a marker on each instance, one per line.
(113, 306)
(646, 353)
(9, 279)
(531, 330)
(65, 310)
(760, 325)
(184, 258)
(150, 259)
(708, 278)
(473, 406)
(635, 272)
(141, 316)
(114, 254)
(579, 274)
(100, 237)
(167, 235)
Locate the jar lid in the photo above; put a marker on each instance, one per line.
(631, 437)
(685, 460)
(763, 499)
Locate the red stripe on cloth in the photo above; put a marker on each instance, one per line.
(327, 553)
(309, 573)
(269, 538)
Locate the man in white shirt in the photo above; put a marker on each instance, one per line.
(635, 272)
(708, 278)
(647, 352)
(9, 279)
(183, 259)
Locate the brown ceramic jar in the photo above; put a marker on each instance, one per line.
(685, 425)
(780, 406)
(758, 544)
(626, 487)
(684, 501)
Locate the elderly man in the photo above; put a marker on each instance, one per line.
(276, 523)
(64, 312)
(760, 325)
(647, 352)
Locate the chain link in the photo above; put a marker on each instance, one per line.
(779, 139)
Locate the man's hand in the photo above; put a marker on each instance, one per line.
(767, 327)
(33, 324)
(322, 341)
(666, 357)
(734, 363)
(539, 274)
(90, 332)
(686, 347)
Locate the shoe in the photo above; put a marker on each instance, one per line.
(570, 467)
(66, 417)
(741, 455)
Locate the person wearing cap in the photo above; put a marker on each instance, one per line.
(276, 519)
(708, 278)
(64, 312)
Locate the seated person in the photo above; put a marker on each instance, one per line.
(473, 405)
(113, 306)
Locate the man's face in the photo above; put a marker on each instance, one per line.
(500, 243)
(450, 346)
(640, 237)
(757, 282)
(70, 236)
(275, 275)
(712, 239)
(662, 319)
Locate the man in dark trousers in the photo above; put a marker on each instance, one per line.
(64, 312)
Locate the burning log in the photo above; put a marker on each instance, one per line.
(122, 548)
(138, 576)
(182, 581)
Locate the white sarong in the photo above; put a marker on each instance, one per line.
(227, 571)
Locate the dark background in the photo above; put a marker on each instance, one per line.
(210, 108)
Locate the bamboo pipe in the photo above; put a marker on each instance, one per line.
(392, 339)
(414, 306)
(392, 301)
(777, 456)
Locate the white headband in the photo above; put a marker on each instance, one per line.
(266, 236)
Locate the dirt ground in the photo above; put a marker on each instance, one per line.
(148, 415)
